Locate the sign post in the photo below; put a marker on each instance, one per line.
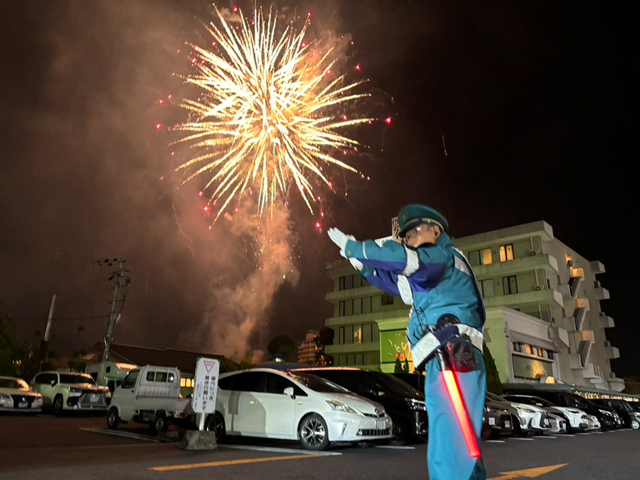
(203, 403)
(205, 388)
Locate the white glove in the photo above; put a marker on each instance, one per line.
(339, 238)
(357, 264)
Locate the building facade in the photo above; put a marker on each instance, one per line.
(543, 311)
(308, 350)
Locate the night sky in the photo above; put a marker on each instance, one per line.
(535, 101)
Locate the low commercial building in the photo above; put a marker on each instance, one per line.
(544, 321)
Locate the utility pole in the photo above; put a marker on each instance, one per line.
(44, 345)
(119, 275)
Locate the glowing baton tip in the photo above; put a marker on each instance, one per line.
(461, 413)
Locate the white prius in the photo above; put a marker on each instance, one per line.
(262, 402)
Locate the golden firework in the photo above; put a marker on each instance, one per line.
(267, 116)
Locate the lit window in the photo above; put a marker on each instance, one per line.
(527, 349)
(183, 382)
(357, 334)
(480, 257)
(506, 253)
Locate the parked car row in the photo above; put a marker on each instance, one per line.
(314, 405)
(16, 396)
(59, 391)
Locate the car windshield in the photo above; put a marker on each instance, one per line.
(76, 378)
(396, 385)
(495, 397)
(530, 400)
(14, 383)
(317, 384)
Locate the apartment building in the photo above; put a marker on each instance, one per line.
(308, 349)
(544, 319)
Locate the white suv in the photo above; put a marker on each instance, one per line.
(69, 391)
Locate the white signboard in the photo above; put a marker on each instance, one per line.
(206, 385)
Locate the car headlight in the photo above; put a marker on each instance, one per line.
(5, 398)
(416, 404)
(341, 407)
(526, 410)
(606, 412)
(75, 390)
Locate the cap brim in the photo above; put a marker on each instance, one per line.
(414, 222)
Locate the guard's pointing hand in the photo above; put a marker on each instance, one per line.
(339, 238)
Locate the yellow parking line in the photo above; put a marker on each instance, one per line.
(229, 462)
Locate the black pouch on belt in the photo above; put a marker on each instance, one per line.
(461, 354)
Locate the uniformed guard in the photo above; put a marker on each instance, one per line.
(445, 328)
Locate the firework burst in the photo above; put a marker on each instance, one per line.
(268, 113)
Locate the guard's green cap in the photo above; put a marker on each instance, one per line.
(413, 215)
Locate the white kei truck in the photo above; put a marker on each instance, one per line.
(149, 394)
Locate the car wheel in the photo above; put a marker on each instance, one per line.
(160, 423)
(569, 427)
(215, 423)
(634, 424)
(400, 432)
(487, 432)
(113, 420)
(58, 406)
(313, 433)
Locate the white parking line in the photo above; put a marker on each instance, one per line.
(276, 449)
(120, 433)
(584, 434)
(396, 447)
(546, 436)
(494, 441)
(523, 439)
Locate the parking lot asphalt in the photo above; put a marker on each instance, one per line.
(81, 447)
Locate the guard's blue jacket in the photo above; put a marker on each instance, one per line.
(436, 280)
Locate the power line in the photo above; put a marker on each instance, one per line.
(60, 319)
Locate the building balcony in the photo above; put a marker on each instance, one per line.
(611, 352)
(591, 371)
(616, 384)
(544, 260)
(401, 315)
(535, 297)
(349, 293)
(575, 361)
(604, 321)
(596, 267)
(559, 336)
(601, 293)
(334, 350)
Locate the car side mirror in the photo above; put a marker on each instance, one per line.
(53, 382)
(289, 391)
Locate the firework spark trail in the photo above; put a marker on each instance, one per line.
(266, 117)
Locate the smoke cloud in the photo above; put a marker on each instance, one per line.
(237, 313)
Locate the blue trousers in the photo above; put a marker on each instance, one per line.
(447, 454)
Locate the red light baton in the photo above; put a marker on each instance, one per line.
(451, 383)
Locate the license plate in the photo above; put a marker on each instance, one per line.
(507, 424)
(94, 398)
(380, 424)
(23, 405)
(492, 421)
